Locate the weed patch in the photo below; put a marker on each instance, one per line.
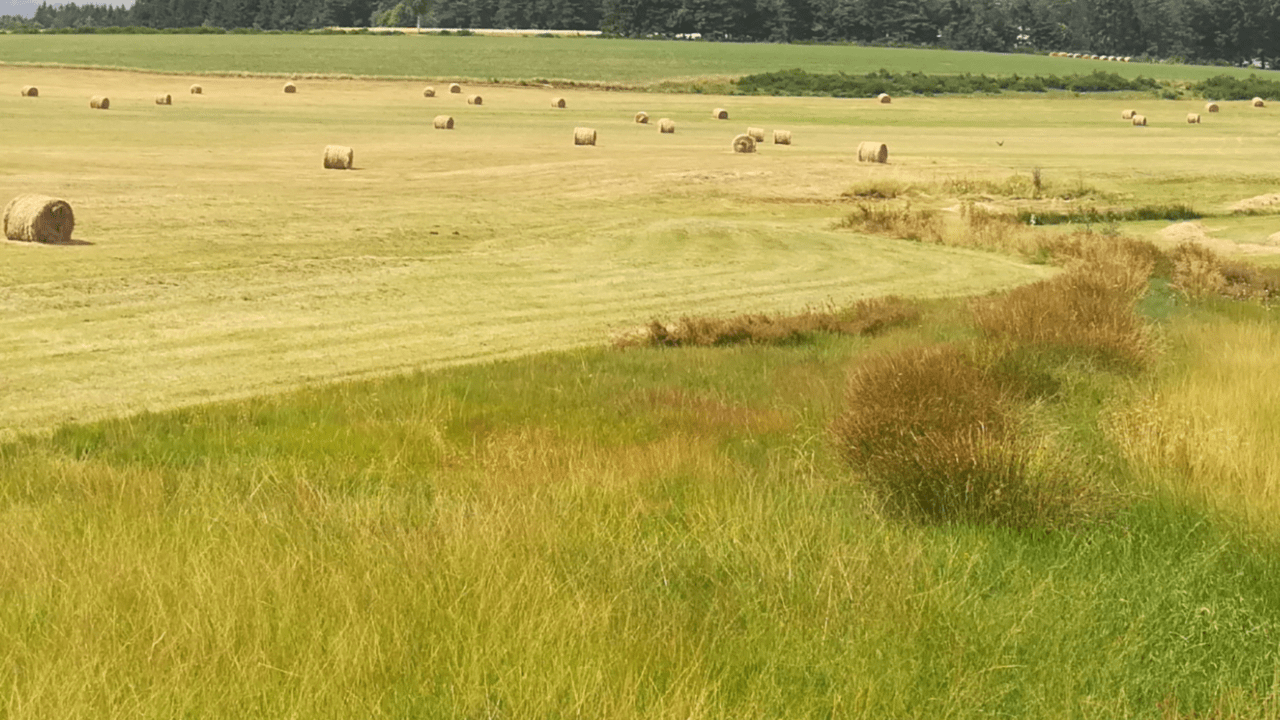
(803, 83)
(1199, 272)
(1094, 216)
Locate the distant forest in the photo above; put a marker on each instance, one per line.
(1236, 32)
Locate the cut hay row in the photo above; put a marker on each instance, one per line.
(100, 102)
(38, 218)
(30, 91)
(338, 157)
(584, 136)
(876, 152)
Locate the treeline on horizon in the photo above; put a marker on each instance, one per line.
(1235, 32)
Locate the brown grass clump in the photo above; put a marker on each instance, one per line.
(38, 218)
(875, 152)
(1193, 118)
(744, 144)
(455, 88)
(666, 125)
(290, 88)
(642, 118)
(196, 90)
(1140, 120)
(884, 98)
(557, 103)
(164, 99)
(1127, 114)
(428, 91)
(781, 137)
(1211, 107)
(584, 136)
(720, 114)
(100, 102)
(1199, 272)
(756, 134)
(1258, 102)
(475, 100)
(338, 157)
(30, 91)
(899, 221)
(443, 122)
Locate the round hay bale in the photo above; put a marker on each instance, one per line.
(666, 126)
(584, 136)
(642, 118)
(455, 88)
(1193, 118)
(1258, 102)
(1140, 120)
(744, 144)
(197, 90)
(781, 137)
(338, 157)
(884, 98)
(475, 100)
(100, 102)
(720, 114)
(1127, 114)
(756, 134)
(1211, 107)
(875, 152)
(164, 99)
(443, 122)
(428, 91)
(38, 218)
(557, 103)
(1127, 58)
(30, 91)
(290, 87)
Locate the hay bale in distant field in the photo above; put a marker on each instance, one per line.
(756, 134)
(38, 218)
(744, 144)
(1193, 118)
(1258, 102)
(720, 114)
(1211, 107)
(100, 102)
(196, 90)
(557, 103)
(455, 88)
(875, 152)
(884, 98)
(781, 137)
(1127, 58)
(584, 136)
(443, 122)
(1140, 120)
(475, 100)
(338, 157)
(1127, 114)
(666, 125)
(30, 91)
(164, 99)
(290, 87)
(428, 91)
(642, 118)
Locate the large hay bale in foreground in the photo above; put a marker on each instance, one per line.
(884, 98)
(781, 137)
(1211, 107)
(642, 118)
(428, 91)
(666, 125)
(475, 100)
(744, 144)
(38, 218)
(338, 157)
(455, 88)
(290, 87)
(100, 102)
(1127, 114)
(196, 89)
(584, 136)
(1258, 102)
(1140, 120)
(164, 99)
(756, 134)
(720, 114)
(876, 152)
(30, 91)
(443, 122)
(558, 103)
(1193, 118)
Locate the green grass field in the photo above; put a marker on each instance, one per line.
(288, 442)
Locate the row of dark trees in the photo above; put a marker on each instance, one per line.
(1232, 31)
